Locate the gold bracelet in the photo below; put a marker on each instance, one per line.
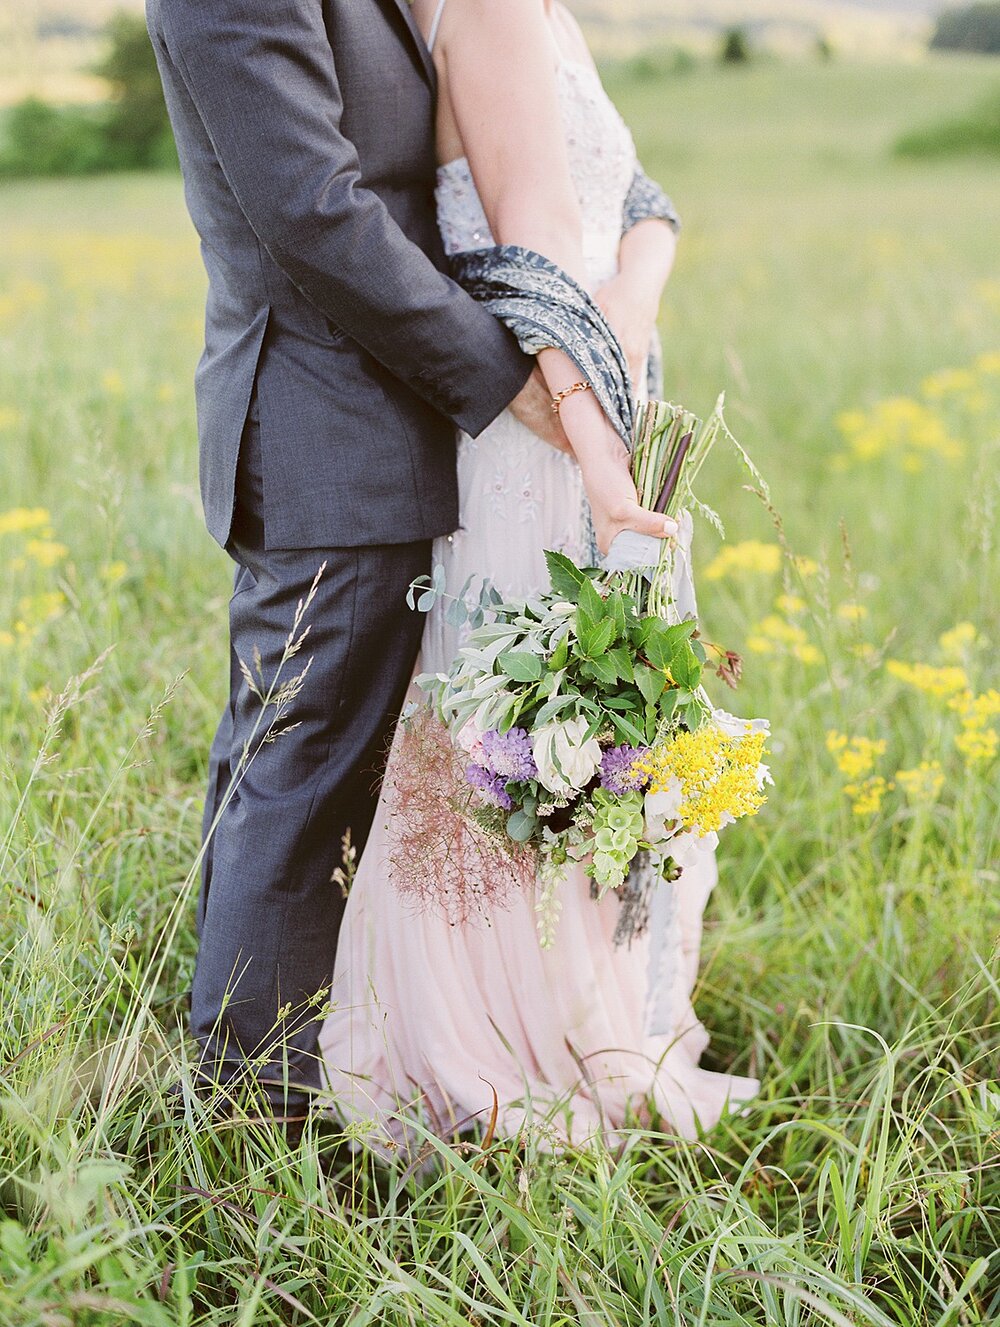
(559, 397)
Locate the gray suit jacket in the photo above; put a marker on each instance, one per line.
(306, 135)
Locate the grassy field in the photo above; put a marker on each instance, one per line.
(850, 305)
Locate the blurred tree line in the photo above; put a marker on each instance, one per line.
(971, 28)
(128, 132)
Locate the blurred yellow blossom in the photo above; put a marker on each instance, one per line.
(9, 417)
(20, 519)
(854, 756)
(868, 795)
(977, 745)
(989, 363)
(776, 635)
(923, 783)
(957, 642)
(851, 612)
(899, 426)
(6, 639)
(806, 567)
(113, 383)
(939, 681)
(46, 552)
(747, 558)
(165, 392)
(790, 604)
(112, 572)
(948, 382)
(39, 608)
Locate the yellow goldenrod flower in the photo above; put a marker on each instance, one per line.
(854, 756)
(112, 572)
(977, 745)
(940, 682)
(948, 382)
(923, 783)
(956, 642)
(790, 604)
(902, 427)
(40, 608)
(806, 567)
(850, 612)
(988, 363)
(868, 795)
(719, 775)
(20, 519)
(776, 635)
(751, 557)
(46, 552)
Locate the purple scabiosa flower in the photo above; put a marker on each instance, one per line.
(491, 786)
(618, 773)
(509, 754)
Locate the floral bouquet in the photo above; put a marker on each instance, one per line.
(586, 734)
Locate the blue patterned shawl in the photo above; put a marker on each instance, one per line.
(545, 307)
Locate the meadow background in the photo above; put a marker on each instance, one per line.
(848, 301)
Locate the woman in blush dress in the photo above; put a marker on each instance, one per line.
(431, 1014)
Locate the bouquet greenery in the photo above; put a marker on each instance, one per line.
(588, 736)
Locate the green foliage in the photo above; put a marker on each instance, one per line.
(44, 140)
(131, 132)
(735, 48)
(137, 128)
(976, 133)
(973, 28)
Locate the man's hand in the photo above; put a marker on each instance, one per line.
(533, 408)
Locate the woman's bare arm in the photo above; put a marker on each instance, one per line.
(500, 64)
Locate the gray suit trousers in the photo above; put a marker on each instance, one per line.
(269, 913)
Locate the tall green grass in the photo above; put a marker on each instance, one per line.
(849, 958)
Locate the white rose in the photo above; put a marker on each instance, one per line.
(661, 808)
(567, 760)
(686, 848)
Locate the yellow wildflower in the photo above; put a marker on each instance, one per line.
(42, 607)
(113, 383)
(718, 773)
(165, 392)
(806, 567)
(855, 756)
(976, 711)
(898, 426)
(6, 640)
(956, 643)
(46, 552)
(112, 572)
(867, 796)
(776, 635)
(790, 604)
(20, 519)
(977, 745)
(988, 363)
(923, 783)
(851, 612)
(9, 417)
(751, 557)
(948, 382)
(940, 682)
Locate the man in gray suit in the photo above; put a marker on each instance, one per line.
(338, 361)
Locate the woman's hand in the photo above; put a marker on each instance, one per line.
(631, 307)
(604, 464)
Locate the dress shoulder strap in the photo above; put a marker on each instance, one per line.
(436, 24)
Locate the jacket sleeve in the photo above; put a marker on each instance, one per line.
(262, 78)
